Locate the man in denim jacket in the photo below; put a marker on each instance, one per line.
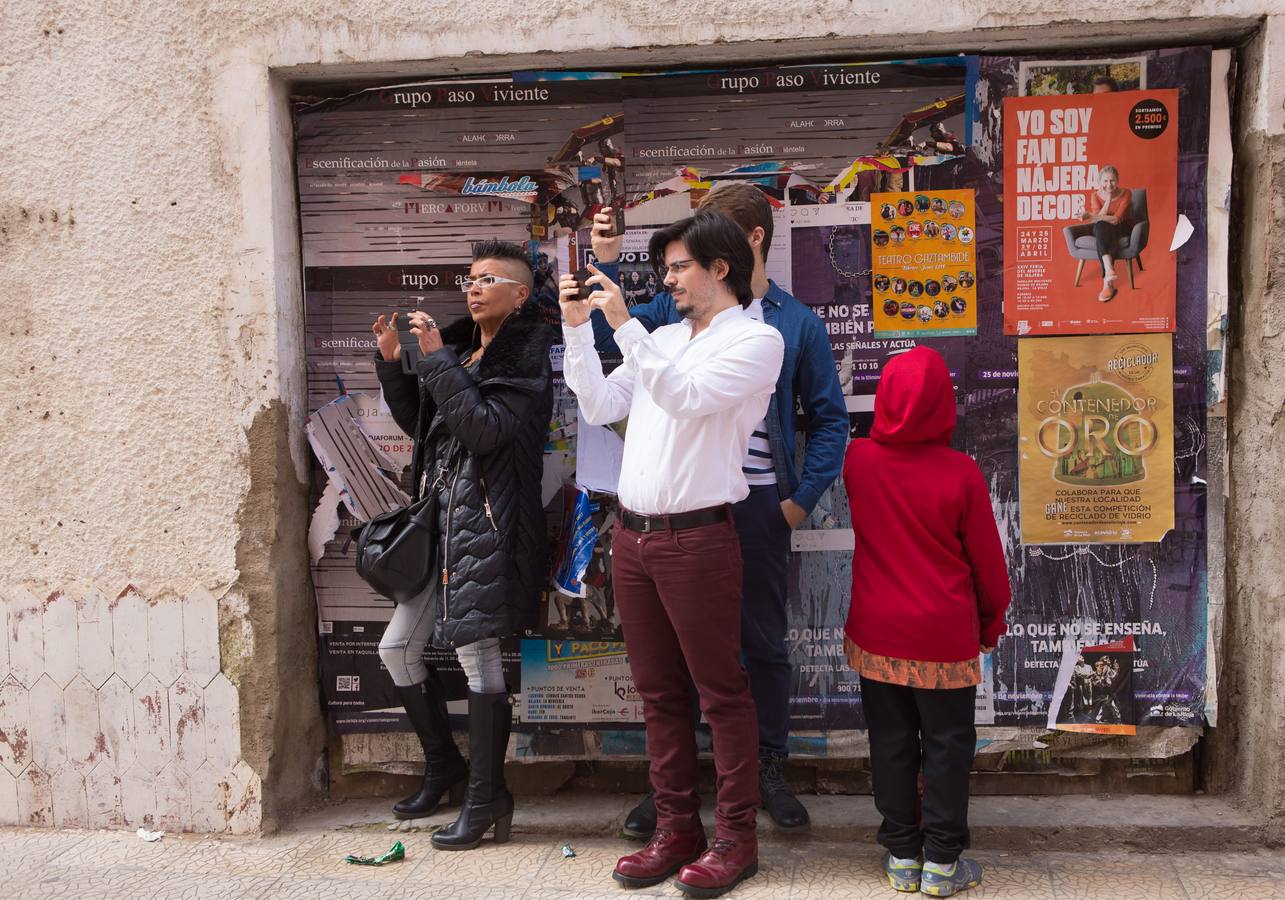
(780, 498)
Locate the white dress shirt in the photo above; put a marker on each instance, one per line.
(692, 404)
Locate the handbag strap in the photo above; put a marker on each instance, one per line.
(418, 469)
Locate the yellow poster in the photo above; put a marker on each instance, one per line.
(924, 263)
(1096, 438)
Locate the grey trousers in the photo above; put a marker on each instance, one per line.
(407, 636)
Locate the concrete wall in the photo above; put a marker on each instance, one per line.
(1248, 757)
(158, 661)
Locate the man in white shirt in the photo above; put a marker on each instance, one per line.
(783, 488)
(694, 392)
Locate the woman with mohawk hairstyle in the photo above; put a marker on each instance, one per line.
(477, 406)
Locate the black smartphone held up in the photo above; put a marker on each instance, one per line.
(582, 277)
(409, 342)
(618, 226)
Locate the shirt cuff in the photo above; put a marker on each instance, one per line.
(581, 334)
(806, 497)
(628, 335)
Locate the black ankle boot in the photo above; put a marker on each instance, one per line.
(781, 804)
(444, 767)
(640, 824)
(487, 802)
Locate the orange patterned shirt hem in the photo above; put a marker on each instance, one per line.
(913, 673)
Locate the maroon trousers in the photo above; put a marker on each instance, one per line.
(679, 597)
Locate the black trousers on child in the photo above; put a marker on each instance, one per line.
(908, 726)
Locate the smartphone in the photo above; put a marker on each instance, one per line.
(409, 342)
(618, 227)
(404, 325)
(582, 277)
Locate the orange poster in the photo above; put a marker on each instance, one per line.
(1090, 209)
(924, 263)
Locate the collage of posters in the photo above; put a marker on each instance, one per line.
(961, 189)
(1091, 230)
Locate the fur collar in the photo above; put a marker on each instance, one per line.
(520, 348)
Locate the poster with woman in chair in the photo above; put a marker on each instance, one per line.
(1090, 213)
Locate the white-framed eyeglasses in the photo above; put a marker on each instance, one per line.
(485, 281)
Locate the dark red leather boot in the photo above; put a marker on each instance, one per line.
(722, 867)
(665, 854)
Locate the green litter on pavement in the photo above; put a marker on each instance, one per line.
(395, 853)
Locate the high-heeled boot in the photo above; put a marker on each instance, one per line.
(487, 802)
(444, 767)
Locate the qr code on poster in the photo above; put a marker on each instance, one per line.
(347, 683)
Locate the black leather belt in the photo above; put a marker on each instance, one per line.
(694, 519)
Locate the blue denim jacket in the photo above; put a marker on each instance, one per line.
(808, 377)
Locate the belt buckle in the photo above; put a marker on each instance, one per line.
(646, 524)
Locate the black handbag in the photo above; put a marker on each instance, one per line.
(397, 551)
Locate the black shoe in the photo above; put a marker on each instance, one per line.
(487, 802)
(444, 767)
(784, 808)
(640, 824)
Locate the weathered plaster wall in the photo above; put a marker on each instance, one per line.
(1249, 758)
(156, 475)
(154, 462)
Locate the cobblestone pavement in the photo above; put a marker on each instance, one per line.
(309, 864)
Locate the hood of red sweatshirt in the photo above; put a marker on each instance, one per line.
(915, 401)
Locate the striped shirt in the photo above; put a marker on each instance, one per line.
(758, 466)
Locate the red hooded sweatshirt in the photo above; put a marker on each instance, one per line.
(928, 575)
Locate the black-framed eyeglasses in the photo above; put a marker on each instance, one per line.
(677, 266)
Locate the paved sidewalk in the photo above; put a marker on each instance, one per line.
(1082, 823)
(308, 863)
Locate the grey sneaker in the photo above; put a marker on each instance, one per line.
(903, 874)
(943, 881)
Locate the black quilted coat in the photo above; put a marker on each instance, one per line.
(479, 440)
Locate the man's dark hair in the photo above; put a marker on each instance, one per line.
(708, 236)
(496, 249)
(1107, 80)
(745, 205)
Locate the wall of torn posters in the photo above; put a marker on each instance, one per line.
(394, 182)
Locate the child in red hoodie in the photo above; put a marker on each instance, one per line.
(929, 591)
